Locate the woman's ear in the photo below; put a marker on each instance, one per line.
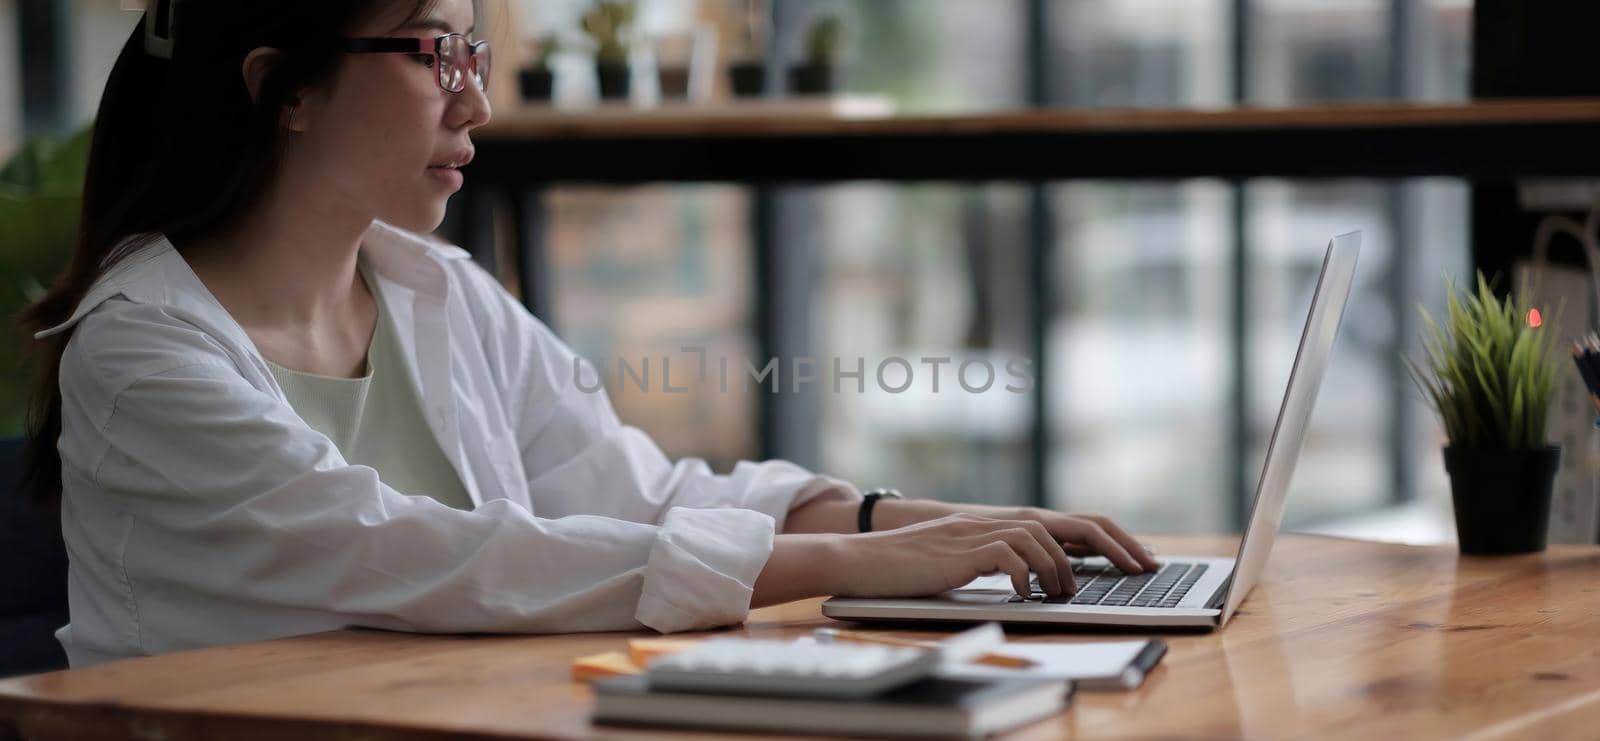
(257, 65)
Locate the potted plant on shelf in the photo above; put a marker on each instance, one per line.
(747, 74)
(538, 79)
(610, 24)
(1490, 375)
(818, 75)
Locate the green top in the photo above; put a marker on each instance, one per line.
(376, 420)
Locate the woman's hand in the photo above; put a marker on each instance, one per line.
(939, 552)
(916, 560)
(920, 547)
(1078, 534)
(939, 555)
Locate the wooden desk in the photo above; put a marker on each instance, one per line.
(1343, 638)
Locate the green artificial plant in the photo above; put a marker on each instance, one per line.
(1489, 373)
(823, 40)
(41, 192)
(610, 24)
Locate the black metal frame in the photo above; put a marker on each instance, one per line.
(1041, 254)
(1239, 433)
(43, 56)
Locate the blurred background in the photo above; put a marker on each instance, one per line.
(1160, 397)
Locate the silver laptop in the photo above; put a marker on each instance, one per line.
(1200, 592)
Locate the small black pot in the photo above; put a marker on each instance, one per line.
(1502, 498)
(749, 79)
(537, 83)
(811, 79)
(614, 79)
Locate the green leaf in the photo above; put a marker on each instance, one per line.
(47, 167)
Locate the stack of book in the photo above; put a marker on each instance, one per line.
(804, 686)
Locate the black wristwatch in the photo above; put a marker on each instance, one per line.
(864, 515)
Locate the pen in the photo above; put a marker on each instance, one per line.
(834, 634)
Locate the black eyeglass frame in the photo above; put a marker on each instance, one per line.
(478, 59)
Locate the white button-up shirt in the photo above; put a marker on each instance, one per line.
(199, 509)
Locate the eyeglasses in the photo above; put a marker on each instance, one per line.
(452, 56)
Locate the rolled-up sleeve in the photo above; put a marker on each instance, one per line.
(703, 568)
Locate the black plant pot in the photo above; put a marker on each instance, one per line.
(537, 83)
(811, 79)
(614, 80)
(1502, 498)
(749, 79)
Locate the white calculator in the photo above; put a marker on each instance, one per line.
(798, 668)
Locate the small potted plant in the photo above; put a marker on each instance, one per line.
(748, 73)
(538, 79)
(610, 24)
(1490, 374)
(818, 75)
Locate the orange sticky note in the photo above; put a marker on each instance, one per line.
(600, 666)
(642, 650)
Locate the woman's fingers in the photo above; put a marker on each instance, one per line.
(1085, 535)
(1090, 533)
(999, 556)
(1056, 553)
(1128, 542)
(1027, 544)
(1041, 541)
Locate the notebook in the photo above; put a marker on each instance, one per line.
(927, 708)
(1107, 665)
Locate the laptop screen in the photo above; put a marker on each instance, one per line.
(1316, 345)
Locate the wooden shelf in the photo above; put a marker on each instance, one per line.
(869, 115)
(672, 118)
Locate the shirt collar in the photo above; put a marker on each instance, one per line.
(156, 274)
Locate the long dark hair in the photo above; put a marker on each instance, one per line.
(181, 149)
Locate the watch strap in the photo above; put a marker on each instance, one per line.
(864, 514)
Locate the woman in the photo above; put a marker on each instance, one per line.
(272, 408)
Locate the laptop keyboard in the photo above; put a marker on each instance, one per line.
(1109, 587)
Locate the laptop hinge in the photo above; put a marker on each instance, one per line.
(1220, 597)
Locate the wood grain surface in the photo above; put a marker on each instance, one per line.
(1341, 639)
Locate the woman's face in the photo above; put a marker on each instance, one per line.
(380, 135)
